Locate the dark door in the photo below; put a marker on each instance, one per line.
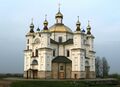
(75, 76)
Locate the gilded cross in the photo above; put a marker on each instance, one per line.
(78, 18)
(32, 20)
(46, 17)
(59, 7)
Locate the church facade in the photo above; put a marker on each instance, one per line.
(59, 53)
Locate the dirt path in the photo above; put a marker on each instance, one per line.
(5, 83)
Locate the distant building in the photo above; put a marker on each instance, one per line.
(59, 53)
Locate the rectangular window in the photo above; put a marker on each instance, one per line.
(68, 53)
(53, 52)
(61, 67)
(28, 41)
(85, 53)
(27, 47)
(36, 52)
(60, 39)
(84, 42)
(32, 53)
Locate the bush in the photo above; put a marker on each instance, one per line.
(117, 76)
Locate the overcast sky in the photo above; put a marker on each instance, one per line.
(15, 18)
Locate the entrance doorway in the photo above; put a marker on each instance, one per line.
(35, 74)
(75, 76)
(61, 75)
(61, 67)
(87, 69)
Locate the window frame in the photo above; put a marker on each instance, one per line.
(54, 52)
(28, 41)
(61, 68)
(36, 52)
(60, 39)
(68, 53)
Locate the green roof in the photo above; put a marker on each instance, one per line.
(61, 59)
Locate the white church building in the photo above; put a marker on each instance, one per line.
(57, 52)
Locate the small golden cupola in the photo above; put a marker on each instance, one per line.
(78, 25)
(59, 16)
(88, 28)
(32, 26)
(45, 23)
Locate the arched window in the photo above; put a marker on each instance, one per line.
(37, 40)
(86, 63)
(34, 62)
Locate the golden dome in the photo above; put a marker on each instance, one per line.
(78, 23)
(59, 14)
(88, 27)
(60, 28)
(45, 22)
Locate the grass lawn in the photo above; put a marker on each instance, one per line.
(55, 84)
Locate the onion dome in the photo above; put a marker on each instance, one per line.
(32, 27)
(88, 28)
(78, 22)
(45, 23)
(83, 31)
(78, 25)
(38, 29)
(59, 14)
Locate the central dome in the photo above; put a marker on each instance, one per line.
(60, 28)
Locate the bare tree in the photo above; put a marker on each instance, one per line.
(98, 64)
(106, 67)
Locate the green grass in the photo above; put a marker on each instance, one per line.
(54, 84)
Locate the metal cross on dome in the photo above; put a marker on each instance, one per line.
(45, 16)
(31, 20)
(88, 22)
(59, 7)
(78, 18)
